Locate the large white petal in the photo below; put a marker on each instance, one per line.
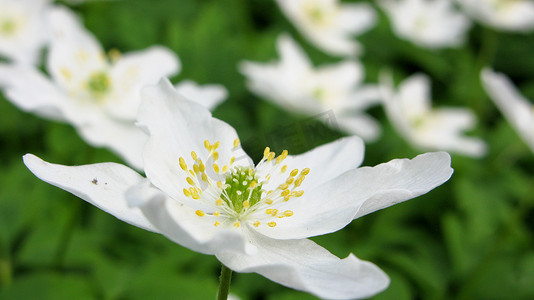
(180, 224)
(334, 204)
(306, 266)
(359, 124)
(102, 185)
(356, 18)
(176, 127)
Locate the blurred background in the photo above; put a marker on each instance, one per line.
(471, 238)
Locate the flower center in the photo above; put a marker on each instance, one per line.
(8, 27)
(234, 194)
(99, 83)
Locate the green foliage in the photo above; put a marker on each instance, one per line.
(471, 238)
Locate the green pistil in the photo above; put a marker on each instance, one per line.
(99, 83)
(8, 27)
(316, 15)
(239, 189)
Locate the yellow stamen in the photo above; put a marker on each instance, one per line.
(201, 166)
(200, 213)
(216, 168)
(190, 181)
(225, 169)
(236, 143)
(215, 156)
(294, 173)
(269, 211)
(207, 145)
(217, 223)
(271, 224)
(196, 168)
(266, 152)
(216, 145)
(257, 223)
(216, 213)
(187, 193)
(182, 163)
(283, 169)
(284, 193)
(246, 204)
(219, 202)
(271, 156)
(306, 171)
(269, 201)
(204, 177)
(219, 184)
(288, 213)
(194, 155)
(236, 224)
(232, 160)
(290, 180)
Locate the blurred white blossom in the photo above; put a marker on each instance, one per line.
(329, 24)
(427, 23)
(208, 95)
(296, 85)
(510, 15)
(517, 109)
(203, 192)
(409, 109)
(97, 94)
(23, 29)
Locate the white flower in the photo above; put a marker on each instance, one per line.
(99, 96)
(517, 109)
(427, 23)
(510, 15)
(330, 25)
(296, 85)
(23, 29)
(409, 110)
(203, 192)
(209, 95)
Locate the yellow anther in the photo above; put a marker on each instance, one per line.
(253, 184)
(283, 169)
(286, 198)
(236, 225)
(269, 201)
(182, 163)
(217, 223)
(236, 143)
(207, 144)
(225, 169)
(269, 211)
(290, 180)
(306, 171)
(266, 152)
(201, 166)
(193, 191)
(187, 193)
(219, 202)
(284, 154)
(299, 193)
(194, 155)
(216, 145)
(288, 213)
(283, 186)
(269, 192)
(284, 193)
(294, 173)
(271, 224)
(192, 173)
(215, 156)
(275, 211)
(232, 160)
(249, 172)
(246, 204)
(114, 54)
(279, 159)
(195, 196)
(200, 213)
(196, 168)
(204, 177)
(66, 73)
(299, 181)
(216, 168)
(219, 184)
(217, 213)
(190, 181)
(257, 223)
(271, 156)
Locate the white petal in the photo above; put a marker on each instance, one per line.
(361, 125)
(209, 95)
(292, 57)
(414, 95)
(180, 223)
(517, 109)
(334, 204)
(134, 70)
(176, 127)
(356, 18)
(31, 91)
(102, 185)
(306, 266)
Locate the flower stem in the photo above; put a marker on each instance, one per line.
(224, 283)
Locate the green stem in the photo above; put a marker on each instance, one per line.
(5, 272)
(224, 283)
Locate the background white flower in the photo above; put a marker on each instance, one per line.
(23, 29)
(203, 192)
(329, 24)
(427, 23)
(409, 110)
(518, 110)
(97, 95)
(296, 85)
(208, 95)
(511, 15)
